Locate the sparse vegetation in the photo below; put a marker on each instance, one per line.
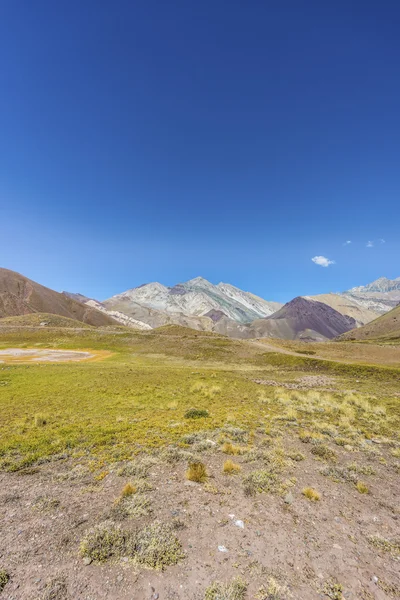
(157, 547)
(311, 494)
(235, 590)
(333, 590)
(273, 590)
(4, 578)
(384, 545)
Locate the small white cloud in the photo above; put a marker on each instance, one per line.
(347, 243)
(382, 241)
(370, 244)
(322, 261)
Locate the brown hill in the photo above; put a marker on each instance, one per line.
(304, 319)
(384, 328)
(22, 296)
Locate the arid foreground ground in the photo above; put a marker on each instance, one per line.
(190, 466)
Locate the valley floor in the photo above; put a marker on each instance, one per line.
(298, 461)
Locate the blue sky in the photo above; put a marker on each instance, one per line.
(144, 141)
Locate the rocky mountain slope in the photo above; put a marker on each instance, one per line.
(197, 297)
(380, 296)
(22, 296)
(304, 319)
(346, 306)
(385, 328)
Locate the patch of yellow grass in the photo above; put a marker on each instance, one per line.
(311, 494)
(231, 468)
(128, 490)
(197, 472)
(229, 448)
(362, 488)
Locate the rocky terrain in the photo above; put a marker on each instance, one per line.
(304, 319)
(379, 296)
(22, 296)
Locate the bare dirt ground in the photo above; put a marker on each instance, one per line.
(307, 547)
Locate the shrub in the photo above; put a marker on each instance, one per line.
(235, 590)
(4, 579)
(197, 472)
(231, 468)
(311, 494)
(260, 481)
(104, 541)
(324, 453)
(157, 547)
(196, 413)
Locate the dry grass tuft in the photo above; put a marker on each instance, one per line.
(231, 468)
(235, 590)
(311, 494)
(273, 590)
(128, 490)
(333, 590)
(362, 488)
(229, 448)
(197, 472)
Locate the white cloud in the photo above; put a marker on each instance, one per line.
(347, 243)
(382, 241)
(370, 244)
(322, 261)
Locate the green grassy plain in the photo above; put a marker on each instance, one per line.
(136, 399)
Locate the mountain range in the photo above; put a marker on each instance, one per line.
(201, 305)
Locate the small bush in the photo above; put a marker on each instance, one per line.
(231, 468)
(104, 541)
(196, 413)
(324, 453)
(4, 579)
(235, 590)
(362, 488)
(260, 481)
(197, 472)
(311, 494)
(157, 547)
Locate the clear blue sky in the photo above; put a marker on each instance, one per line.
(156, 140)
